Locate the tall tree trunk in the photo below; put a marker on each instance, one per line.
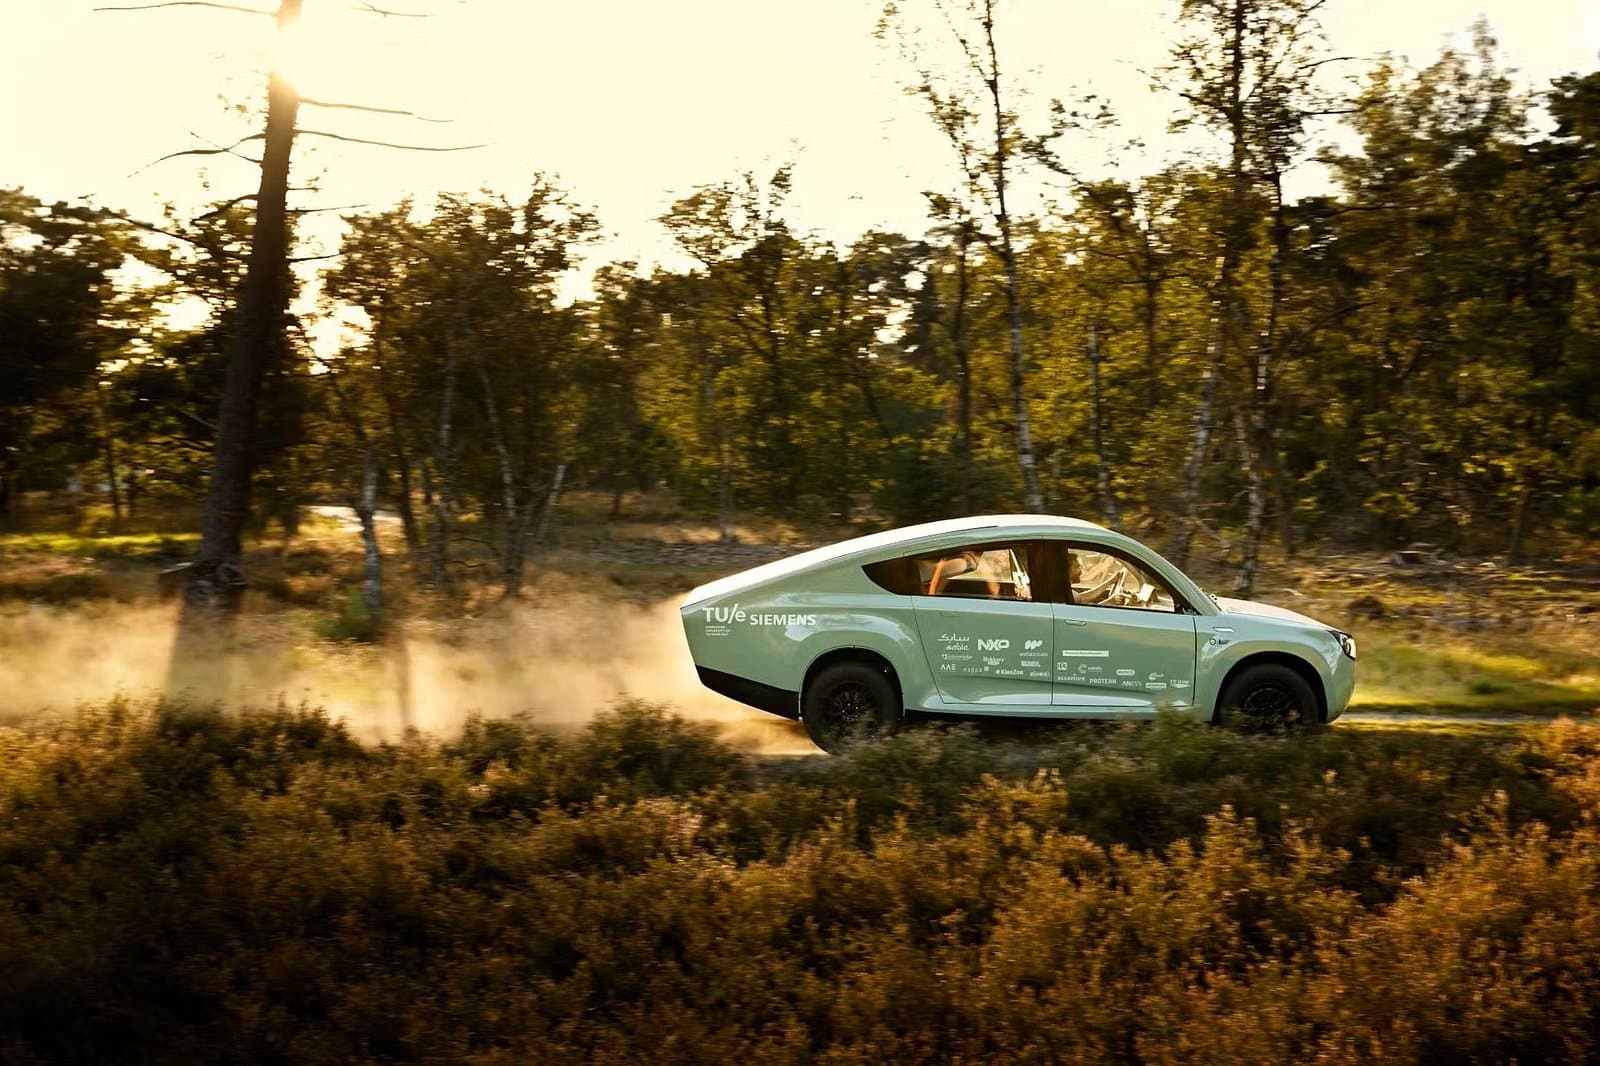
(1199, 449)
(365, 506)
(958, 338)
(215, 580)
(1283, 500)
(444, 493)
(1033, 498)
(550, 504)
(1108, 499)
(1149, 313)
(1260, 447)
(1244, 579)
(1519, 521)
(1235, 232)
(719, 445)
(108, 454)
(397, 447)
(514, 548)
(849, 360)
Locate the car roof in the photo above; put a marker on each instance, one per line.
(888, 542)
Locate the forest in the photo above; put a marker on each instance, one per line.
(1408, 357)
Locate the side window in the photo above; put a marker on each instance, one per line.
(985, 572)
(1100, 579)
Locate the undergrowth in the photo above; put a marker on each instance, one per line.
(178, 884)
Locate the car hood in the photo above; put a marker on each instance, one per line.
(1265, 610)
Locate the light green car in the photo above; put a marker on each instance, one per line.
(1026, 616)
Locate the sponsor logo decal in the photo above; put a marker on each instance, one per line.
(1032, 645)
(720, 621)
(993, 645)
(1124, 673)
(1085, 653)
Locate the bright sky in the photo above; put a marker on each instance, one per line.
(631, 102)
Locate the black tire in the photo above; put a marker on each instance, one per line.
(848, 702)
(1268, 698)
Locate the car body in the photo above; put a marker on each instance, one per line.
(1031, 616)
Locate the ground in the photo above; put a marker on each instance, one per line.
(1456, 638)
(563, 880)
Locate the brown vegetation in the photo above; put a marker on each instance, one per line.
(180, 885)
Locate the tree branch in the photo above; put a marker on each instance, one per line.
(138, 224)
(240, 9)
(390, 144)
(229, 150)
(331, 207)
(387, 12)
(223, 207)
(310, 102)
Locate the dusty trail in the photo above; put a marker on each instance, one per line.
(558, 660)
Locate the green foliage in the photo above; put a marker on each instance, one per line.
(180, 884)
(356, 620)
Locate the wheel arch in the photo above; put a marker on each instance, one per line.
(1299, 665)
(875, 659)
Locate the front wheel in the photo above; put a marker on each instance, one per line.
(849, 701)
(1268, 697)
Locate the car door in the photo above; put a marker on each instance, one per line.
(987, 640)
(1124, 641)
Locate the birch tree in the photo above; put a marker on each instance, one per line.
(971, 107)
(1247, 70)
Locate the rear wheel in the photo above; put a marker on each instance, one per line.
(849, 701)
(1266, 698)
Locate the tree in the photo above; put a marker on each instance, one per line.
(55, 306)
(258, 341)
(970, 108)
(1248, 71)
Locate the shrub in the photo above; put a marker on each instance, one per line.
(356, 621)
(182, 884)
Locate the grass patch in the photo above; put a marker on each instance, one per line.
(1436, 670)
(178, 884)
(97, 545)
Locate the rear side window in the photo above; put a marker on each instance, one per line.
(982, 571)
(899, 576)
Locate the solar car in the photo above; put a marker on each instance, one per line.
(1019, 616)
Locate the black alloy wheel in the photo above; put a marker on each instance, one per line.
(1268, 698)
(848, 702)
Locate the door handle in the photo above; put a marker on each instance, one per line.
(1074, 621)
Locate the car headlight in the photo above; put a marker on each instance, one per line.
(1347, 643)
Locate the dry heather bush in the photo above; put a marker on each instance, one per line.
(184, 885)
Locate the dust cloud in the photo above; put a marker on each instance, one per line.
(559, 659)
